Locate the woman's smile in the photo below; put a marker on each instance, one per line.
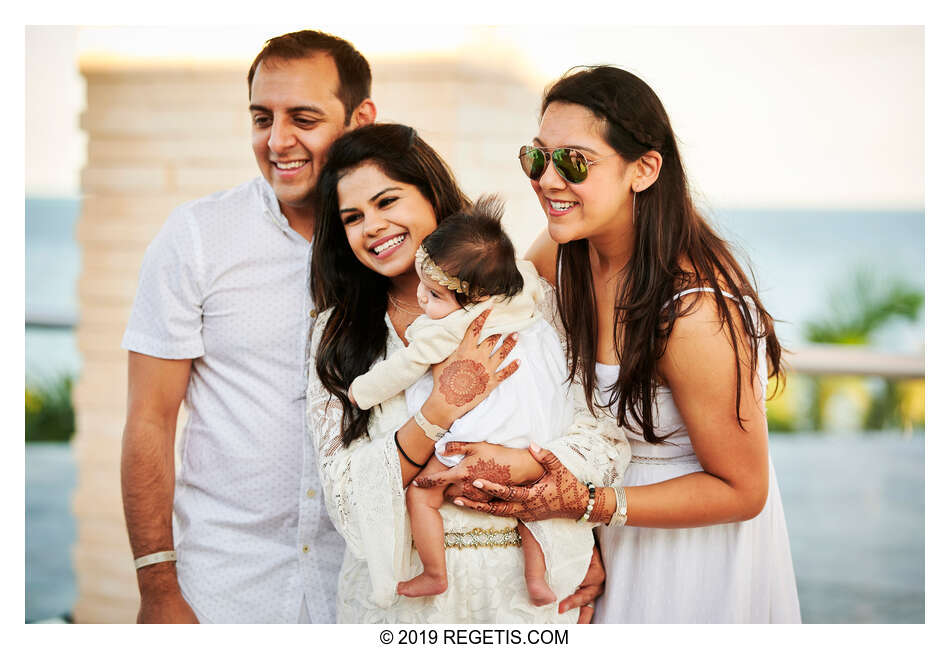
(559, 208)
(387, 246)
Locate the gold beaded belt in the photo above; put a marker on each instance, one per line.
(678, 459)
(479, 538)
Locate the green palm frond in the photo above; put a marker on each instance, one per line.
(860, 308)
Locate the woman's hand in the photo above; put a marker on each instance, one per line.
(465, 378)
(484, 460)
(557, 494)
(591, 588)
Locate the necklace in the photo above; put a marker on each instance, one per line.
(399, 305)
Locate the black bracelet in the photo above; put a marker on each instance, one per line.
(403, 453)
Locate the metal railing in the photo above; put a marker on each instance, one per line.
(854, 360)
(50, 320)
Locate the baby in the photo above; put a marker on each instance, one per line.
(466, 266)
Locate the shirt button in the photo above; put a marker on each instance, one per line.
(313, 313)
(311, 493)
(306, 548)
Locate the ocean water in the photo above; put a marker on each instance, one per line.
(799, 258)
(52, 270)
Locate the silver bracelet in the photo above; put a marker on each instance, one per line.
(155, 557)
(619, 519)
(432, 431)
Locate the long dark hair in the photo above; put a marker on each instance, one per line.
(674, 249)
(355, 334)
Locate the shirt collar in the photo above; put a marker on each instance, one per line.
(271, 208)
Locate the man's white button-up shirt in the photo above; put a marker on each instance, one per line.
(226, 282)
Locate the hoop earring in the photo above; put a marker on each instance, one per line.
(634, 208)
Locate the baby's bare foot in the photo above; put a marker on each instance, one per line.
(424, 585)
(539, 592)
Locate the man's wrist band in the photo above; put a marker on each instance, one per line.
(432, 431)
(155, 557)
(619, 519)
(590, 502)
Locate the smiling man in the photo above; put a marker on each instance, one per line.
(221, 322)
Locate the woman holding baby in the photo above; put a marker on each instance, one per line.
(381, 194)
(668, 350)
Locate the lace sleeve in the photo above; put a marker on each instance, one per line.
(362, 482)
(593, 448)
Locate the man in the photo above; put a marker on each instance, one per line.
(221, 321)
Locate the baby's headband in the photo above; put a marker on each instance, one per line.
(432, 270)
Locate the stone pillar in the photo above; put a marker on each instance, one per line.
(164, 133)
(159, 135)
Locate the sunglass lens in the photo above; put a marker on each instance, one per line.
(532, 161)
(571, 164)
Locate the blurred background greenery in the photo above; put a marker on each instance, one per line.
(859, 307)
(49, 409)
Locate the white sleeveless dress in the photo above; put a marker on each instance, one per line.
(732, 573)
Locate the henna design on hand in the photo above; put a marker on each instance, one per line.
(462, 381)
(478, 323)
(466, 490)
(506, 347)
(567, 497)
(426, 482)
(501, 508)
(557, 494)
(489, 470)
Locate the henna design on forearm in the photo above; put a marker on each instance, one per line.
(599, 513)
(462, 381)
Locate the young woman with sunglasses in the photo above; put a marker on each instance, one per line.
(670, 341)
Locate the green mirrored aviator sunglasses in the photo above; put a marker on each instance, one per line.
(570, 164)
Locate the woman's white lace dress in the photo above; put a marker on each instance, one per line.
(734, 572)
(363, 491)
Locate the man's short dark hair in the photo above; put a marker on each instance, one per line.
(352, 68)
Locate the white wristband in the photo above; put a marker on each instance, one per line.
(432, 431)
(155, 557)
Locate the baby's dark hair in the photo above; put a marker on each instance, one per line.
(471, 245)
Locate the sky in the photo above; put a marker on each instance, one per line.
(780, 117)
